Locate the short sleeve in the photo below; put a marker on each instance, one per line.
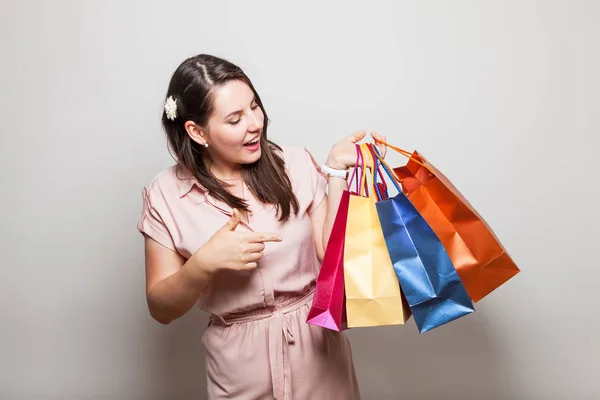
(151, 222)
(318, 181)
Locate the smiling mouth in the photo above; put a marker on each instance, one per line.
(252, 142)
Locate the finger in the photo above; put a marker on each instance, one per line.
(380, 146)
(376, 136)
(357, 136)
(254, 257)
(259, 237)
(251, 265)
(256, 247)
(382, 150)
(234, 221)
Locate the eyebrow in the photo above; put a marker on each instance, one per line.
(240, 111)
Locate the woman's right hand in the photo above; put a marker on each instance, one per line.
(343, 154)
(228, 249)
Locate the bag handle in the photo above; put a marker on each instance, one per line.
(355, 172)
(405, 153)
(367, 154)
(359, 175)
(379, 173)
(390, 172)
(363, 168)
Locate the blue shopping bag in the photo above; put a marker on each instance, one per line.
(428, 279)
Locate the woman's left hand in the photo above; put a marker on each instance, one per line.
(343, 154)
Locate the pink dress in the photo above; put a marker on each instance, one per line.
(258, 344)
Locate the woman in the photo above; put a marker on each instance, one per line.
(238, 226)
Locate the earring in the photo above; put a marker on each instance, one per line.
(205, 144)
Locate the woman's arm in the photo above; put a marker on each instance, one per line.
(173, 285)
(324, 215)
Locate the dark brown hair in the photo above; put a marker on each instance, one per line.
(192, 87)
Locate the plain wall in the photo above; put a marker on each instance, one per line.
(501, 96)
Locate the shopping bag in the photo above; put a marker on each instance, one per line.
(328, 306)
(482, 262)
(373, 296)
(426, 274)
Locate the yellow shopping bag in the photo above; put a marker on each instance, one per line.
(373, 296)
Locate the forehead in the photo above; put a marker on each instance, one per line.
(232, 96)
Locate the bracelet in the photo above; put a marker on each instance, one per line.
(336, 173)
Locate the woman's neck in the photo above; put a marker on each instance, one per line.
(224, 171)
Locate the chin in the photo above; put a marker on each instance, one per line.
(252, 158)
(256, 156)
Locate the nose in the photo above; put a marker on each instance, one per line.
(255, 123)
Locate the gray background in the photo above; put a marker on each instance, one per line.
(501, 96)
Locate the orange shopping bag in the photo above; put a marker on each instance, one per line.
(480, 259)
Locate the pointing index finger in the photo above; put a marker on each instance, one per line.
(261, 237)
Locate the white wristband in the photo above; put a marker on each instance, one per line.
(336, 173)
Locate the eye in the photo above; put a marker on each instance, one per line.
(234, 122)
(254, 106)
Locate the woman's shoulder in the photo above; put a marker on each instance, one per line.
(168, 181)
(302, 166)
(297, 156)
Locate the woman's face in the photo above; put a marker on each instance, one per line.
(235, 126)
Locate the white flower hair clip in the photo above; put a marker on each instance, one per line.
(171, 108)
